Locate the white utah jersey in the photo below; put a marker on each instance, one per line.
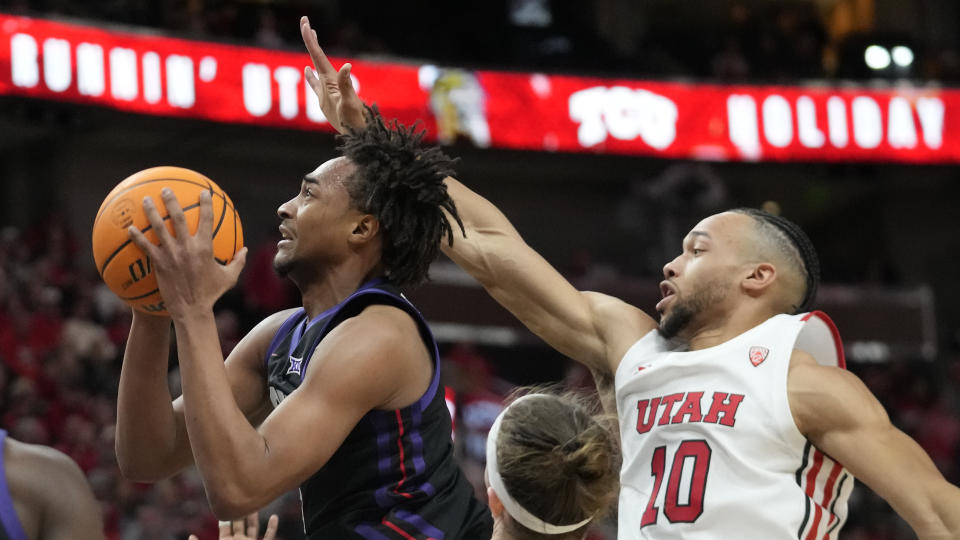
(710, 448)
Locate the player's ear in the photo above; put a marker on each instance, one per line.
(364, 228)
(759, 277)
(496, 507)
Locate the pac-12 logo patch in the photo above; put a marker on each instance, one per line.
(758, 355)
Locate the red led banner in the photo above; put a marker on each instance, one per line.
(143, 73)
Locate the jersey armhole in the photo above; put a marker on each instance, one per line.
(291, 321)
(368, 297)
(818, 336)
(652, 334)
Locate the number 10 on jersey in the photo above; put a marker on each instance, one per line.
(688, 469)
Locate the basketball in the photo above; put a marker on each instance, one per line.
(122, 265)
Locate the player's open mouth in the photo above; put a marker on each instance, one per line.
(667, 291)
(285, 237)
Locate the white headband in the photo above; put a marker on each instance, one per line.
(519, 513)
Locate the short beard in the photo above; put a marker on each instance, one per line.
(678, 320)
(684, 311)
(282, 268)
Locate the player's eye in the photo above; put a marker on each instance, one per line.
(697, 251)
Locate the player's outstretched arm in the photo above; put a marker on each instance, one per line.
(51, 494)
(576, 324)
(836, 411)
(591, 328)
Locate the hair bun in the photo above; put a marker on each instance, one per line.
(558, 460)
(584, 456)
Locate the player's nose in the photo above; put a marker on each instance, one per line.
(670, 270)
(286, 210)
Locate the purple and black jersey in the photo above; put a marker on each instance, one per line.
(10, 527)
(394, 477)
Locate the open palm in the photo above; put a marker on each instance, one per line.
(338, 99)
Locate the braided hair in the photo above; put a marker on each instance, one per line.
(401, 184)
(795, 245)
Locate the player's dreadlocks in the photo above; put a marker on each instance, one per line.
(401, 184)
(793, 243)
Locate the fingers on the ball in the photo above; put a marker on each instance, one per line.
(140, 240)
(235, 266)
(205, 225)
(153, 216)
(175, 211)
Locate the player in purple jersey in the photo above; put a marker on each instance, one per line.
(340, 397)
(44, 495)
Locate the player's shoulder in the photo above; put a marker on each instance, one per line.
(262, 334)
(610, 309)
(378, 353)
(827, 396)
(25, 454)
(810, 377)
(378, 326)
(50, 492)
(31, 467)
(619, 323)
(272, 323)
(251, 350)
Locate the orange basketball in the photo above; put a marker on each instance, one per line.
(122, 265)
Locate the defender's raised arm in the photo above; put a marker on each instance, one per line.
(573, 322)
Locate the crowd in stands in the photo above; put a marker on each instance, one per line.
(62, 337)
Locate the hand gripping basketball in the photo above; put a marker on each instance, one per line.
(124, 267)
(189, 277)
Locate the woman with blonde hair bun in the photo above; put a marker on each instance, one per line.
(552, 468)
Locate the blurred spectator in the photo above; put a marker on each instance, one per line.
(83, 337)
(675, 200)
(729, 63)
(479, 399)
(264, 292)
(266, 34)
